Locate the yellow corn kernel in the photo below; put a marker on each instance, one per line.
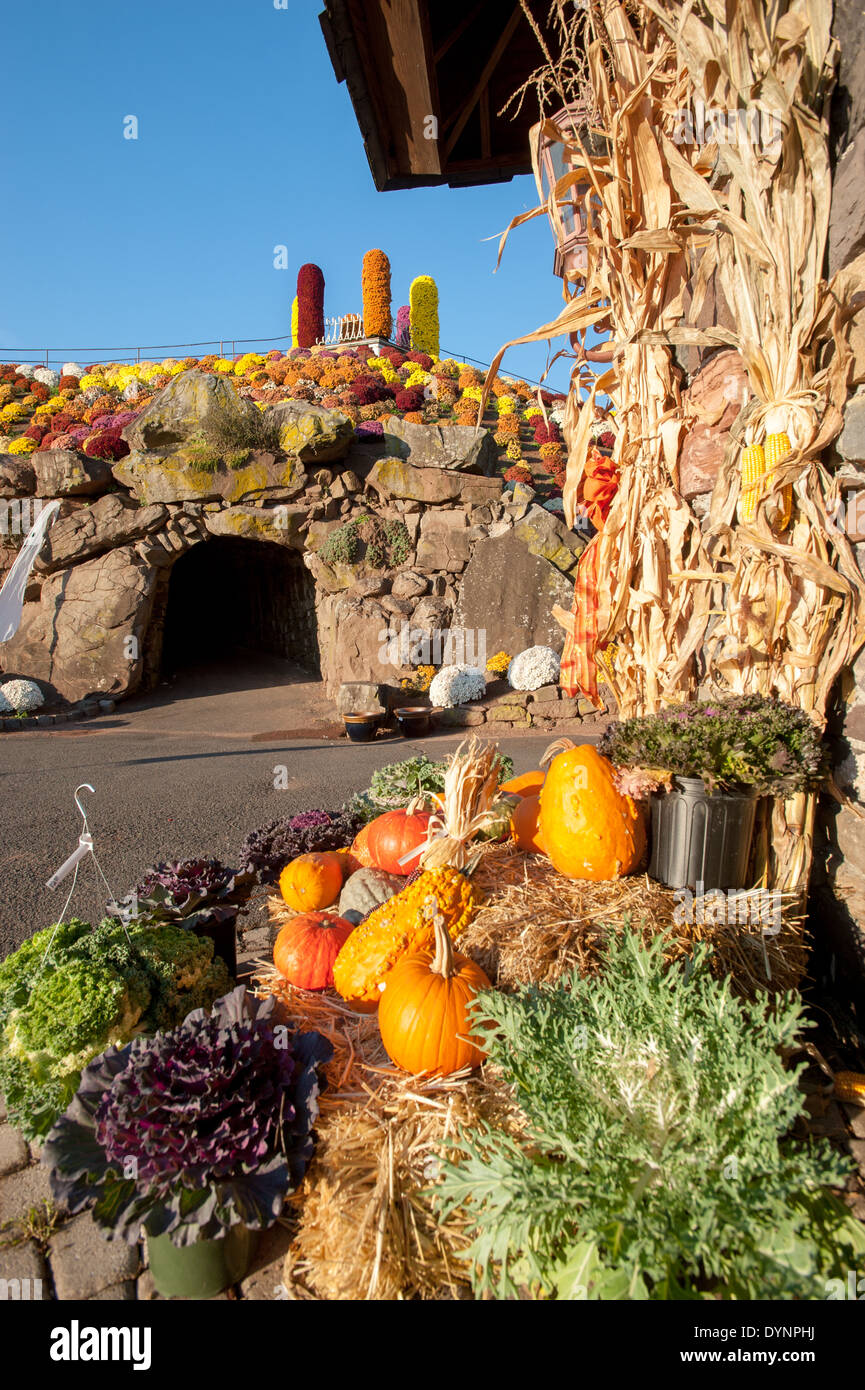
(753, 467)
(777, 448)
(850, 1086)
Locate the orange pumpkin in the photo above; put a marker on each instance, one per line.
(307, 946)
(395, 834)
(589, 829)
(423, 1013)
(312, 881)
(524, 825)
(527, 784)
(360, 850)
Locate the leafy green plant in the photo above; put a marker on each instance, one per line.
(386, 543)
(38, 1225)
(204, 457)
(69, 992)
(395, 784)
(248, 429)
(236, 458)
(653, 1161)
(746, 739)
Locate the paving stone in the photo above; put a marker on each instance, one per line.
(14, 1153)
(123, 1292)
(23, 1190)
(257, 942)
(25, 1262)
(265, 1277)
(83, 1262)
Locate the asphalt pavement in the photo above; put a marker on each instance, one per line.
(174, 778)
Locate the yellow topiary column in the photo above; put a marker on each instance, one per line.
(424, 305)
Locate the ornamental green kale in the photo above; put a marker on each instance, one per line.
(654, 1161)
(92, 990)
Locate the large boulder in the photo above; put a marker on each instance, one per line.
(354, 641)
(310, 432)
(63, 473)
(547, 535)
(712, 402)
(847, 212)
(279, 524)
(191, 473)
(85, 636)
(394, 478)
(192, 405)
(460, 447)
(508, 593)
(109, 522)
(17, 476)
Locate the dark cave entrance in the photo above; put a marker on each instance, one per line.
(228, 600)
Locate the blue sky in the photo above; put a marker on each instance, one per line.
(245, 142)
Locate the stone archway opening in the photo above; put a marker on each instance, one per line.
(231, 602)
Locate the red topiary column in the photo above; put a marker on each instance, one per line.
(375, 283)
(310, 305)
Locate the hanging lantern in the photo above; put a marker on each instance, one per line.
(569, 216)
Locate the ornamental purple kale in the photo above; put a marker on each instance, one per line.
(194, 1131)
(266, 852)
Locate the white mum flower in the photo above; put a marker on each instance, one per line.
(47, 376)
(73, 369)
(21, 694)
(457, 685)
(26, 369)
(5, 707)
(534, 667)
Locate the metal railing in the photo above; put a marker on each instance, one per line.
(346, 328)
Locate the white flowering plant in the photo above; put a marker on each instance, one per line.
(47, 376)
(534, 667)
(26, 369)
(21, 695)
(457, 685)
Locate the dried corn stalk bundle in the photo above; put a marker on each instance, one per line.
(776, 605)
(464, 808)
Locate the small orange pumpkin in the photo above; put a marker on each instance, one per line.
(360, 850)
(525, 828)
(589, 829)
(527, 784)
(307, 946)
(423, 1013)
(312, 881)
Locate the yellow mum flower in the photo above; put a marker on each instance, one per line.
(21, 446)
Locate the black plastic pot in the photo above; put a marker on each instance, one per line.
(698, 838)
(413, 720)
(221, 927)
(203, 1269)
(361, 727)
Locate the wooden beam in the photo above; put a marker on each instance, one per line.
(457, 33)
(402, 81)
(485, 123)
(489, 68)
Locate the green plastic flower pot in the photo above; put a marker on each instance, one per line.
(201, 1270)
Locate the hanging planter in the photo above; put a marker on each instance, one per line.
(701, 838)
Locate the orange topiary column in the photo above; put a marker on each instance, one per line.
(375, 283)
